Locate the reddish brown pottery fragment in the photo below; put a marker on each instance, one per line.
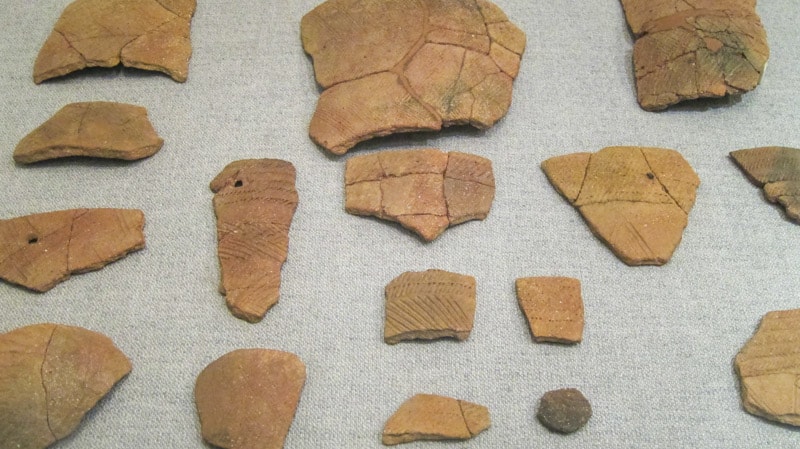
(769, 368)
(390, 66)
(431, 417)
(553, 308)
(254, 202)
(93, 129)
(39, 251)
(635, 199)
(425, 190)
(699, 49)
(247, 398)
(51, 375)
(145, 34)
(777, 170)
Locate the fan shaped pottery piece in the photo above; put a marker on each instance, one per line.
(777, 170)
(553, 308)
(431, 417)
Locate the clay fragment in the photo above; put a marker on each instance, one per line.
(553, 308)
(254, 202)
(145, 34)
(390, 66)
(93, 129)
(431, 417)
(777, 170)
(425, 190)
(565, 410)
(699, 49)
(635, 199)
(428, 305)
(769, 368)
(51, 375)
(247, 398)
(38, 251)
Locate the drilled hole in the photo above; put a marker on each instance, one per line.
(238, 183)
(651, 176)
(32, 240)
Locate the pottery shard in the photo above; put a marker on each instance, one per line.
(698, 49)
(390, 66)
(769, 368)
(94, 129)
(636, 200)
(777, 170)
(428, 305)
(39, 251)
(50, 376)
(145, 34)
(254, 201)
(424, 190)
(565, 410)
(431, 417)
(553, 308)
(247, 398)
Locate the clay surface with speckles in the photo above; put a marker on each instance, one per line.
(553, 307)
(777, 170)
(432, 417)
(564, 411)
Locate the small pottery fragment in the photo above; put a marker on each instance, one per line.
(636, 200)
(553, 307)
(564, 411)
(145, 34)
(425, 190)
(428, 305)
(777, 170)
(769, 368)
(254, 202)
(699, 49)
(94, 129)
(247, 398)
(391, 66)
(39, 251)
(431, 417)
(51, 375)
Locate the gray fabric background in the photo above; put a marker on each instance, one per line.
(656, 360)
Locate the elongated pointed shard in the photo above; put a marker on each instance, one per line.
(636, 200)
(777, 170)
(432, 417)
(145, 34)
(38, 251)
(51, 375)
(553, 307)
(247, 398)
(93, 129)
(254, 201)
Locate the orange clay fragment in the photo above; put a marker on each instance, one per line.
(553, 307)
(777, 170)
(431, 417)
(390, 66)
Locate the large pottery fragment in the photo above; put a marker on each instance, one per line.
(431, 417)
(777, 170)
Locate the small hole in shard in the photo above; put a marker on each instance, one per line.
(651, 176)
(238, 183)
(32, 240)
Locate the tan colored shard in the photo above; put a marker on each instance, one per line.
(635, 199)
(51, 375)
(428, 305)
(93, 129)
(769, 368)
(247, 398)
(699, 49)
(39, 251)
(254, 202)
(431, 417)
(425, 190)
(777, 170)
(390, 66)
(145, 34)
(553, 307)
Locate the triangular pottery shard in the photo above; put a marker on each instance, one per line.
(636, 200)
(145, 34)
(695, 49)
(390, 66)
(254, 201)
(50, 376)
(431, 417)
(425, 190)
(93, 129)
(769, 368)
(553, 307)
(247, 398)
(777, 170)
(39, 251)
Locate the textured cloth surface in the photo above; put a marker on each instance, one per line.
(656, 357)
